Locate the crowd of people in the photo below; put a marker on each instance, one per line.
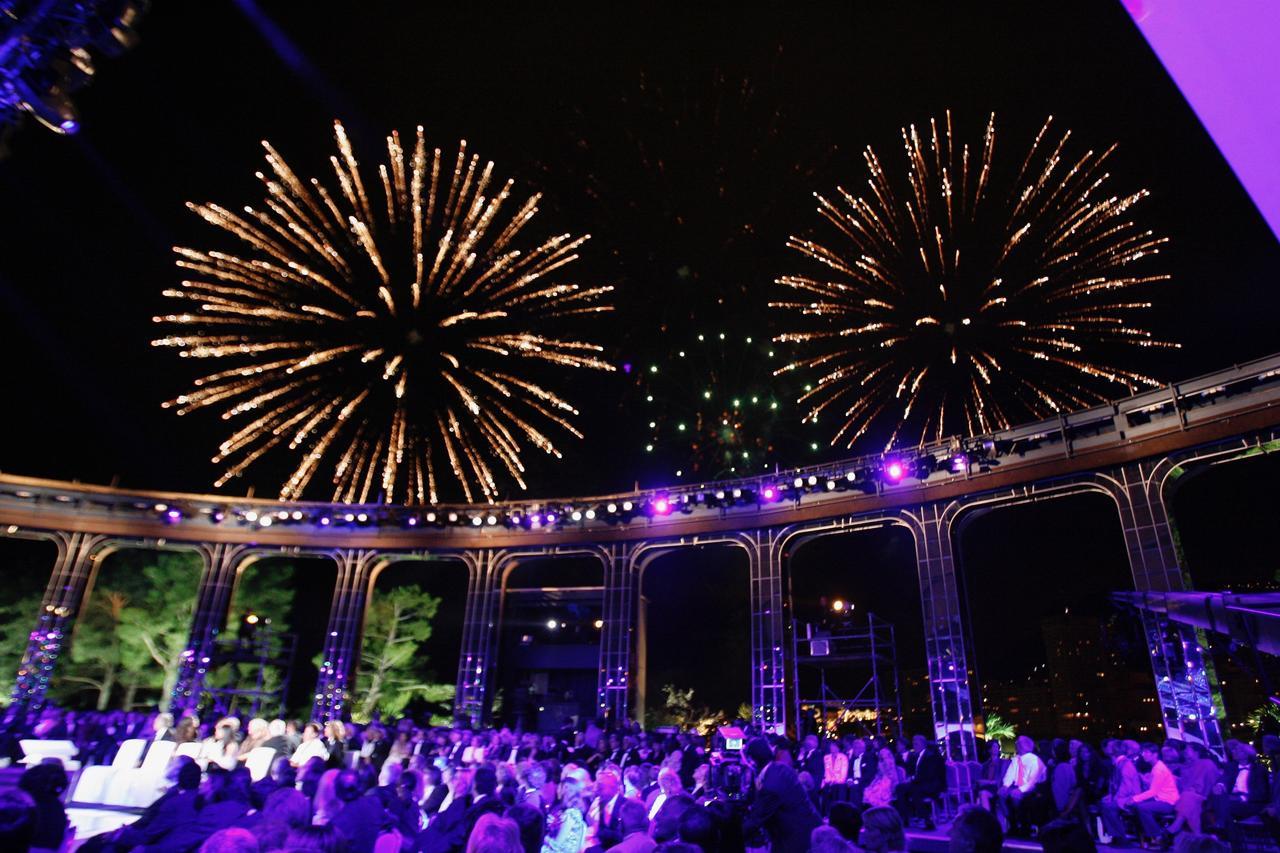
(403, 787)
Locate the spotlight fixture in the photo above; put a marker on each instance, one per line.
(47, 55)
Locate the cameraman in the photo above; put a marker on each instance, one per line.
(782, 808)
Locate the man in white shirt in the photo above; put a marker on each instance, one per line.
(1026, 770)
(312, 747)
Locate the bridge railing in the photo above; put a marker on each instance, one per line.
(1178, 406)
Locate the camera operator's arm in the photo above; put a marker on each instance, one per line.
(763, 808)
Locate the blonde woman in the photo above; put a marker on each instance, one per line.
(888, 776)
(335, 741)
(567, 828)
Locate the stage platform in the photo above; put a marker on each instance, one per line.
(935, 841)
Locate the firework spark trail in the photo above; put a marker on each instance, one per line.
(964, 304)
(385, 335)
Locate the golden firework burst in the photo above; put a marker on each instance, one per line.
(964, 297)
(395, 331)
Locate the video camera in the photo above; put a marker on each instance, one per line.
(731, 775)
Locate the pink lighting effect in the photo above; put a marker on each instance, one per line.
(1223, 57)
(662, 506)
(769, 493)
(894, 471)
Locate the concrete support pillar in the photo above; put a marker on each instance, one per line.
(221, 562)
(945, 635)
(63, 598)
(479, 635)
(342, 640)
(768, 629)
(618, 637)
(1185, 682)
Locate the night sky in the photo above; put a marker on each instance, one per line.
(634, 124)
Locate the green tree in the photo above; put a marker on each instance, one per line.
(998, 728)
(128, 639)
(1264, 719)
(17, 618)
(155, 626)
(392, 673)
(94, 661)
(679, 710)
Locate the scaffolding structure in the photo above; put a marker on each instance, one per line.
(242, 669)
(860, 655)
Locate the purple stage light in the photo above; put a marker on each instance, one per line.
(769, 493)
(173, 515)
(324, 521)
(69, 126)
(626, 367)
(662, 506)
(551, 518)
(413, 521)
(959, 463)
(894, 471)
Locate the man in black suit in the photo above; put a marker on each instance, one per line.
(604, 817)
(484, 799)
(782, 808)
(928, 781)
(447, 831)
(457, 744)
(434, 790)
(809, 759)
(862, 769)
(376, 746)
(362, 818)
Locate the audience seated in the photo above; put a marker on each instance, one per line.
(403, 787)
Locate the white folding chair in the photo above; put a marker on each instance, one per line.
(92, 784)
(259, 762)
(157, 758)
(129, 754)
(190, 750)
(139, 786)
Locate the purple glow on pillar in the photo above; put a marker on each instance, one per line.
(1222, 56)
